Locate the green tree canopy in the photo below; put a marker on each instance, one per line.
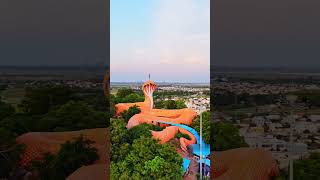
(130, 98)
(307, 168)
(20, 123)
(119, 138)
(139, 131)
(180, 104)
(170, 104)
(127, 114)
(226, 136)
(135, 155)
(72, 116)
(123, 92)
(148, 159)
(41, 100)
(93, 97)
(9, 152)
(6, 110)
(71, 156)
(206, 126)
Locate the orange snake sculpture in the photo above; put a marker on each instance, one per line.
(150, 115)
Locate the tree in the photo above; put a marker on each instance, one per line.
(68, 161)
(6, 110)
(93, 97)
(180, 104)
(154, 167)
(148, 160)
(3, 87)
(127, 114)
(123, 92)
(20, 123)
(226, 136)
(41, 100)
(170, 104)
(307, 168)
(112, 109)
(206, 126)
(72, 116)
(71, 156)
(9, 152)
(129, 96)
(135, 155)
(139, 131)
(119, 140)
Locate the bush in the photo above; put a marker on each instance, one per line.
(180, 135)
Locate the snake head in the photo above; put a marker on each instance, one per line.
(148, 88)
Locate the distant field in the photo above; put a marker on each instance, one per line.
(266, 109)
(114, 91)
(13, 96)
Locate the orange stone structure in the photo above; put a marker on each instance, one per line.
(170, 132)
(150, 115)
(243, 164)
(153, 116)
(38, 143)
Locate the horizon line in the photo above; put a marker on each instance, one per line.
(140, 81)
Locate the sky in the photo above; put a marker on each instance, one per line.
(170, 39)
(167, 38)
(52, 32)
(266, 33)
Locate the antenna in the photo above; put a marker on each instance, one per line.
(201, 146)
(149, 76)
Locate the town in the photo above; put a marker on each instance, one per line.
(282, 117)
(195, 96)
